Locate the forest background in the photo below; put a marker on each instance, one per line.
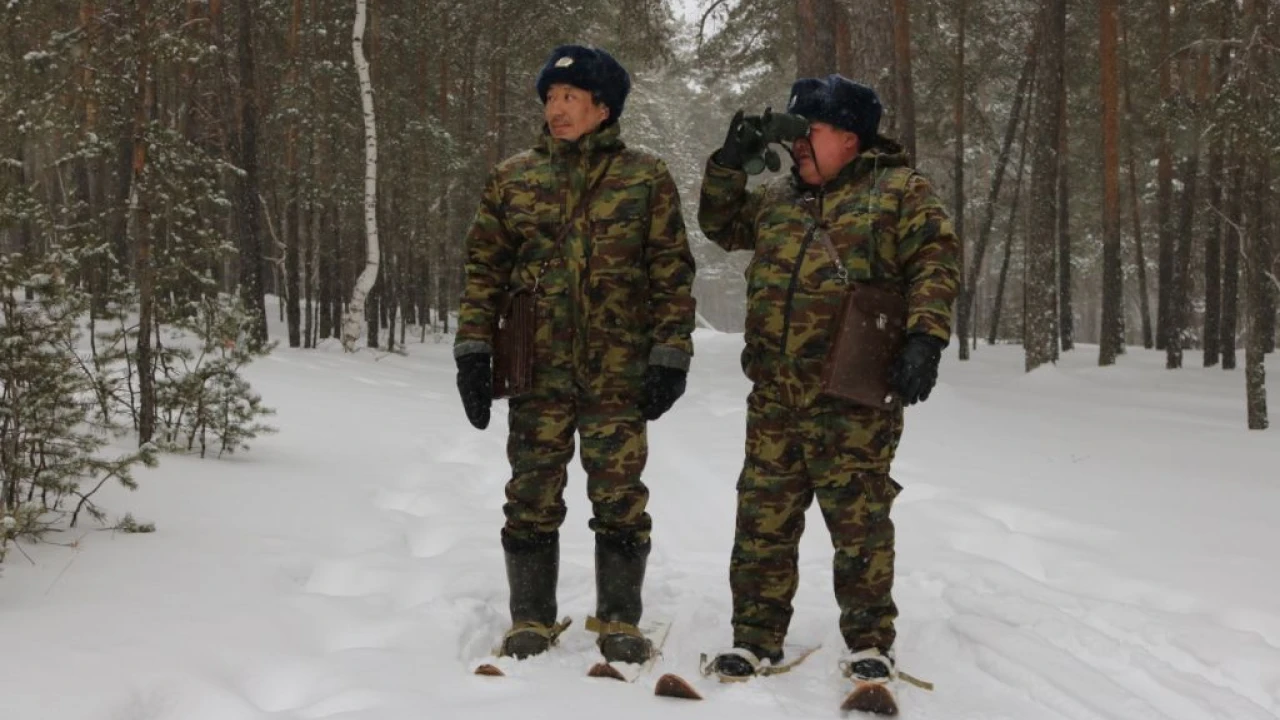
(173, 170)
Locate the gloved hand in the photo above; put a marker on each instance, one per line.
(915, 371)
(731, 154)
(475, 386)
(662, 387)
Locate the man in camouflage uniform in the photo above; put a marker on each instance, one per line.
(615, 316)
(854, 185)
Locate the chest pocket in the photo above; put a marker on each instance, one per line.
(865, 233)
(619, 227)
(778, 229)
(534, 214)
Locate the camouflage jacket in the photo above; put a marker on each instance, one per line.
(877, 204)
(616, 294)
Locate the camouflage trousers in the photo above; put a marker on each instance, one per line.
(840, 453)
(540, 445)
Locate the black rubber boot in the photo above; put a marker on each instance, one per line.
(532, 570)
(620, 570)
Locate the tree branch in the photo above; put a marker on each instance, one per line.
(702, 23)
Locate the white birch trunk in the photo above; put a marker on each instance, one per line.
(353, 325)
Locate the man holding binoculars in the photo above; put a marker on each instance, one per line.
(852, 212)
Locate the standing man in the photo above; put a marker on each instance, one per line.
(884, 223)
(594, 230)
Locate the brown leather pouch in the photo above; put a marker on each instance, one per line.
(513, 346)
(870, 331)
(870, 327)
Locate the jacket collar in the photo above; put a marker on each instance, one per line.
(603, 140)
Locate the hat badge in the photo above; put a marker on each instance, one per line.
(564, 62)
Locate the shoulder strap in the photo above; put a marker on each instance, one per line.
(842, 273)
(892, 181)
(578, 211)
(582, 206)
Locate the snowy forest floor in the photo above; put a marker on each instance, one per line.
(1076, 543)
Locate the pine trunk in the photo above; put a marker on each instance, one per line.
(89, 168)
(1213, 240)
(816, 38)
(310, 276)
(328, 269)
(1111, 339)
(1066, 312)
(140, 220)
(1040, 280)
(1010, 232)
(1256, 290)
(437, 268)
(871, 51)
(1164, 185)
(251, 255)
(958, 100)
(293, 215)
(1194, 74)
(966, 303)
(1256, 272)
(1231, 251)
(904, 90)
(1140, 260)
(497, 89)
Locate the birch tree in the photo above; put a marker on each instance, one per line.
(353, 324)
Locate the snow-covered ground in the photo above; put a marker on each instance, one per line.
(1073, 543)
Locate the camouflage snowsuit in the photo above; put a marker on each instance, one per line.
(615, 297)
(801, 444)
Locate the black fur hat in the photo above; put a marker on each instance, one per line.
(839, 101)
(591, 69)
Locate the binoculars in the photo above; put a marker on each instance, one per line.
(758, 132)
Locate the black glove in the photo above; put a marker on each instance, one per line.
(916, 369)
(475, 386)
(732, 154)
(662, 387)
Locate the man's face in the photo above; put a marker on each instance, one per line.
(821, 156)
(571, 112)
